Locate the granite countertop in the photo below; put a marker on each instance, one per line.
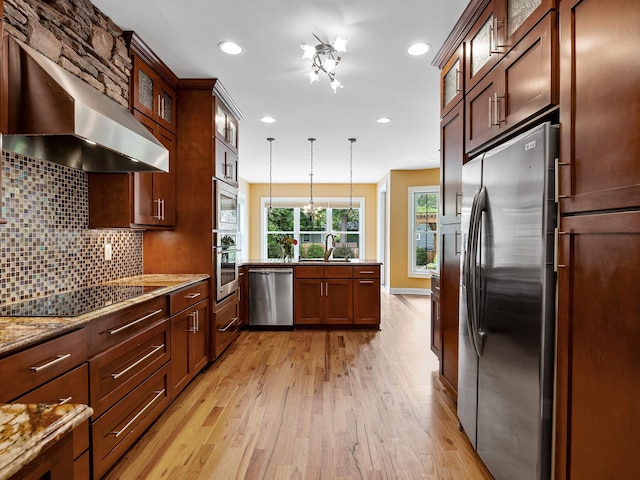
(26, 430)
(279, 262)
(17, 332)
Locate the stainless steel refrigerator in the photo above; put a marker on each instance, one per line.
(507, 304)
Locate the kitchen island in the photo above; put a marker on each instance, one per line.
(332, 293)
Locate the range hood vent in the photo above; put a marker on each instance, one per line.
(53, 115)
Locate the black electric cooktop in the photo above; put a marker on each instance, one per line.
(74, 303)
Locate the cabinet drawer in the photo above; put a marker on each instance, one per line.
(114, 432)
(188, 296)
(309, 272)
(367, 271)
(39, 364)
(72, 387)
(334, 271)
(117, 371)
(226, 326)
(112, 329)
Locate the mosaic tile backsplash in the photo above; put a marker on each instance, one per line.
(46, 246)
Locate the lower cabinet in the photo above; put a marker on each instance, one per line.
(72, 387)
(323, 295)
(52, 372)
(366, 295)
(114, 432)
(188, 345)
(226, 326)
(598, 334)
(449, 298)
(337, 295)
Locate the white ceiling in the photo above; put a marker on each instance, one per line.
(268, 78)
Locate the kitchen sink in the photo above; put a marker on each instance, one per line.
(331, 260)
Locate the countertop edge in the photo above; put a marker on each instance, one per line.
(59, 325)
(20, 453)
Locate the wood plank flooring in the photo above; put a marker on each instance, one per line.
(314, 405)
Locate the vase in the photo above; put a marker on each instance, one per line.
(287, 253)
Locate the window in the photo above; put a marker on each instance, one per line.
(286, 219)
(423, 230)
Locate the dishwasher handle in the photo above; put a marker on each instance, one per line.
(279, 271)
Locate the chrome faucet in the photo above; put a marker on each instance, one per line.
(327, 249)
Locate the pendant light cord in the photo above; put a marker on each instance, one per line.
(311, 213)
(351, 174)
(270, 140)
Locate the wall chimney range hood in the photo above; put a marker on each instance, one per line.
(55, 116)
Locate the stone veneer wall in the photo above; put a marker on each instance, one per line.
(78, 37)
(46, 246)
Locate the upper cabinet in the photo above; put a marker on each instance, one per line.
(452, 81)
(226, 137)
(502, 59)
(142, 200)
(151, 95)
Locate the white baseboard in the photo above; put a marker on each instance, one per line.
(409, 291)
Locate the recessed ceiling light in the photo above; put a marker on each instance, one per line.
(383, 120)
(268, 120)
(230, 48)
(418, 49)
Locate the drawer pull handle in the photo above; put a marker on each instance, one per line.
(62, 401)
(115, 376)
(366, 272)
(147, 406)
(228, 326)
(131, 324)
(58, 359)
(191, 296)
(366, 281)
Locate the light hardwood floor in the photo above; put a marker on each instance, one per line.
(314, 405)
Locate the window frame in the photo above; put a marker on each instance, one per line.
(412, 272)
(297, 203)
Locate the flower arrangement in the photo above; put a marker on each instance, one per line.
(287, 247)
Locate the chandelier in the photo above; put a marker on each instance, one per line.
(324, 58)
(311, 210)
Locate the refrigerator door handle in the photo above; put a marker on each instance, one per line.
(470, 271)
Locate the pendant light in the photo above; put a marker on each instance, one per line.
(270, 140)
(310, 209)
(351, 140)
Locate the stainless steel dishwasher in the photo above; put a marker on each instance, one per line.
(271, 298)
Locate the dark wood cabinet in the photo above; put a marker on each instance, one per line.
(152, 85)
(598, 402)
(323, 295)
(597, 417)
(188, 345)
(52, 372)
(520, 86)
(226, 168)
(366, 295)
(190, 319)
(226, 323)
(452, 157)
(191, 241)
(436, 331)
(115, 431)
(143, 199)
(452, 81)
(599, 108)
(154, 194)
(449, 288)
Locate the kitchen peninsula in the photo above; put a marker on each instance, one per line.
(335, 293)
